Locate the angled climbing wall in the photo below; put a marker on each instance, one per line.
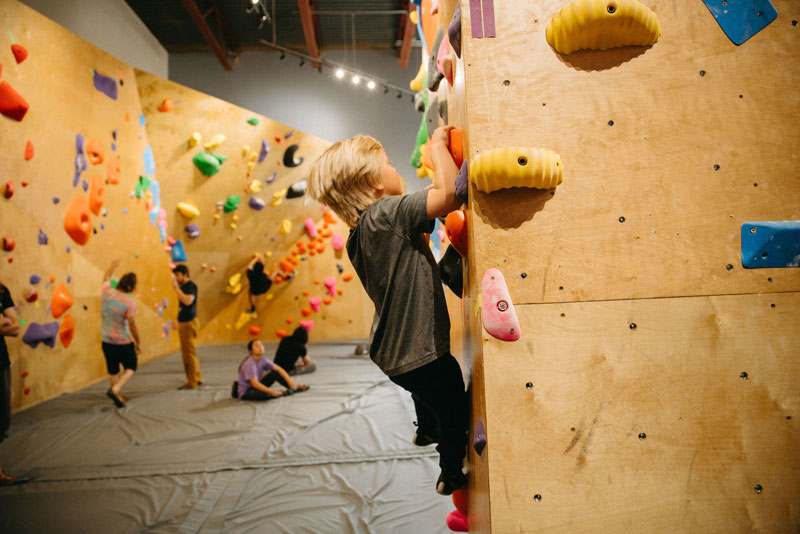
(656, 385)
(81, 102)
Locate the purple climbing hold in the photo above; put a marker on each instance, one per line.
(35, 279)
(69, 279)
(41, 333)
(113, 146)
(115, 133)
(193, 231)
(106, 85)
(479, 441)
(264, 150)
(85, 185)
(124, 210)
(288, 135)
(256, 203)
(454, 30)
(42, 237)
(462, 182)
(102, 226)
(164, 303)
(272, 178)
(56, 200)
(81, 161)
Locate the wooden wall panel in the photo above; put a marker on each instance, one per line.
(598, 383)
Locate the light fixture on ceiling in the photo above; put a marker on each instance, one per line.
(371, 84)
(339, 73)
(356, 79)
(283, 56)
(302, 62)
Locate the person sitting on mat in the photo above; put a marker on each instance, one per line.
(260, 282)
(292, 355)
(252, 386)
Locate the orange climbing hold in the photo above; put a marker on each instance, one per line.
(347, 277)
(457, 146)
(254, 330)
(166, 105)
(67, 331)
(456, 227)
(19, 51)
(77, 221)
(289, 320)
(327, 300)
(113, 171)
(306, 293)
(316, 282)
(95, 151)
(286, 267)
(8, 189)
(281, 333)
(329, 217)
(28, 151)
(97, 194)
(339, 291)
(12, 104)
(305, 312)
(61, 302)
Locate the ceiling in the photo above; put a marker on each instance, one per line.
(338, 23)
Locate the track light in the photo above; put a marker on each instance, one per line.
(283, 56)
(339, 73)
(302, 62)
(356, 79)
(371, 84)
(386, 90)
(399, 94)
(255, 2)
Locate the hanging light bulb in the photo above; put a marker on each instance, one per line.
(371, 84)
(339, 73)
(255, 2)
(356, 79)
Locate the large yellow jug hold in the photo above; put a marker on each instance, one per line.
(602, 24)
(516, 166)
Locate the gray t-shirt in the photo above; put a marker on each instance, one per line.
(394, 262)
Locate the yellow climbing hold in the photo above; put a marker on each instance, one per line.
(416, 83)
(245, 150)
(235, 217)
(277, 197)
(194, 139)
(217, 140)
(255, 186)
(234, 284)
(600, 25)
(188, 210)
(243, 319)
(286, 226)
(516, 167)
(268, 254)
(414, 17)
(216, 216)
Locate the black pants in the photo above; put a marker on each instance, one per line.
(5, 401)
(258, 395)
(441, 404)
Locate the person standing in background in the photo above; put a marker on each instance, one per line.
(188, 324)
(9, 326)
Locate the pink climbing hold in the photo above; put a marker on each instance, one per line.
(330, 284)
(308, 325)
(315, 303)
(497, 310)
(457, 522)
(311, 226)
(337, 240)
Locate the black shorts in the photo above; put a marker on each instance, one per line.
(119, 354)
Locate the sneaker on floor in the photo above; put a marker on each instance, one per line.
(8, 480)
(117, 401)
(450, 482)
(423, 439)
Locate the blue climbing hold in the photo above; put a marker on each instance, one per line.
(771, 244)
(742, 19)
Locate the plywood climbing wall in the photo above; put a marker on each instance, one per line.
(139, 221)
(656, 385)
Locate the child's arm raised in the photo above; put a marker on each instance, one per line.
(442, 197)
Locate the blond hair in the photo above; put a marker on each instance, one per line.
(344, 176)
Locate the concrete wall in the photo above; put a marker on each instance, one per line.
(111, 25)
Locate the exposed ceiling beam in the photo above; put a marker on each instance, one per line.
(308, 30)
(220, 49)
(405, 32)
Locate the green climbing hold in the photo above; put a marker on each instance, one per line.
(220, 158)
(232, 203)
(252, 120)
(22, 321)
(114, 282)
(208, 164)
(142, 185)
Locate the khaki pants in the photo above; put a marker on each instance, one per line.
(188, 333)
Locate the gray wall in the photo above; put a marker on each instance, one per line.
(111, 25)
(318, 104)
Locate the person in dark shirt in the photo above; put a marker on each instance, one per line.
(260, 282)
(9, 326)
(188, 324)
(292, 354)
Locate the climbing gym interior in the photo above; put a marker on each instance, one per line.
(622, 277)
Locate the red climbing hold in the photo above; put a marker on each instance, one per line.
(28, 150)
(20, 52)
(281, 333)
(254, 330)
(12, 104)
(8, 243)
(166, 105)
(8, 189)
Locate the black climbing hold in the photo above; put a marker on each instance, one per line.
(794, 23)
(529, 385)
(622, 219)
(716, 167)
(729, 267)
(758, 488)
(85, 308)
(561, 288)
(702, 73)
(288, 156)
(642, 436)
(769, 279)
(524, 275)
(633, 326)
(611, 123)
(743, 375)
(537, 497)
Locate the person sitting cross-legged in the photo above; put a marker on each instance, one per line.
(253, 384)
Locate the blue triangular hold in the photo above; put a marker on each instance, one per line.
(771, 244)
(742, 19)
